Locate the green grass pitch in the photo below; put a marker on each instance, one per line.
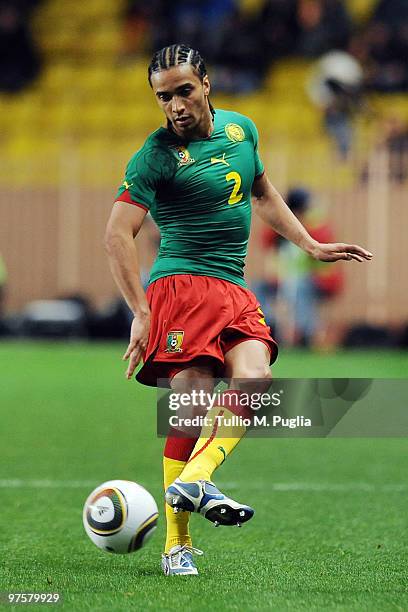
(331, 514)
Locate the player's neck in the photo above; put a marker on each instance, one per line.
(202, 131)
(205, 128)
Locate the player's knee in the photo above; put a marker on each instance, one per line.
(193, 378)
(253, 371)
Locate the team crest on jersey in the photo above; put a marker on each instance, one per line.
(234, 132)
(174, 342)
(183, 156)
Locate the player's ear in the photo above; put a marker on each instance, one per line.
(206, 85)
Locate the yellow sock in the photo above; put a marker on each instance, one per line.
(177, 524)
(217, 440)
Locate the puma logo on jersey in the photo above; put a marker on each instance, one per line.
(127, 185)
(217, 160)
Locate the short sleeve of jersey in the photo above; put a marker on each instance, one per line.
(146, 170)
(259, 167)
(140, 182)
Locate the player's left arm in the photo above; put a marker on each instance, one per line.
(271, 207)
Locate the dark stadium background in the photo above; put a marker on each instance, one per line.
(326, 83)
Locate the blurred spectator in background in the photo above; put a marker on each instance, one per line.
(336, 87)
(148, 25)
(226, 37)
(242, 46)
(393, 141)
(203, 24)
(138, 18)
(391, 12)
(240, 62)
(323, 25)
(276, 28)
(19, 59)
(222, 32)
(295, 283)
(386, 40)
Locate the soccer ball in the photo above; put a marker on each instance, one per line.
(120, 516)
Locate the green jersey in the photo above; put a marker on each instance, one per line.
(199, 194)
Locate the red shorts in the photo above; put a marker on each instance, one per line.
(196, 320)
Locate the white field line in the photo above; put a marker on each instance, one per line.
(312, 487)
(317, 487)
(17, 483)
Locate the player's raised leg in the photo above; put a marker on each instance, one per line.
(247, 364)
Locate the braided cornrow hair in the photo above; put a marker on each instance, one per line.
(174, 55)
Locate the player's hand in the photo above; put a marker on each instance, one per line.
(338, 250)
(139, 334)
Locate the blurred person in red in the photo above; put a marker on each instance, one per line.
(295, 285)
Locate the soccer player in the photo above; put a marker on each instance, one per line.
(197, 319)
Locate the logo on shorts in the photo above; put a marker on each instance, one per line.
(174, 342)
(234, 132)
(183, 156)
(262, 319)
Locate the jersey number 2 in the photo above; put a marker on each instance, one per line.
(235, 196)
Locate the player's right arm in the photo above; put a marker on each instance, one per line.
(123, 226)
(144, 172)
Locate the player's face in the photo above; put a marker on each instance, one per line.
(183, 97)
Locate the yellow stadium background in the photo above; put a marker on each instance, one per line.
(66, 139)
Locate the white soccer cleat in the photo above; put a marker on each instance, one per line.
(179, 561)
(203, 497)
